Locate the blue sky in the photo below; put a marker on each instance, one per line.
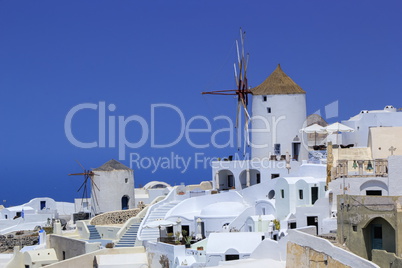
(55, 55)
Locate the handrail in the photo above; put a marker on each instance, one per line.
(241, 219)
(137, 218)
(170, 197)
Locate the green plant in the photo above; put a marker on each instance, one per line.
(277, 224)
(187, 240)
(169, 235)
(184, 232)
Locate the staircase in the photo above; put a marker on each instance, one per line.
(129, 237)
(93, 233)
(152, 234)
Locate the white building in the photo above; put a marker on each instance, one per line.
(278, 113)
(37, 212)
(113, 187)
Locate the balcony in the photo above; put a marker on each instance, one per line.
(360, 168)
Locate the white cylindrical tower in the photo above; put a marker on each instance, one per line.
(114, 188)
(278, 114)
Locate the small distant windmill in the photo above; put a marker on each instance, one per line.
(242, 90)
(88, 174)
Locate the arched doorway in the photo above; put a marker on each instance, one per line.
(226, 180)
(124, 202)
(255, 177)
(379, 234)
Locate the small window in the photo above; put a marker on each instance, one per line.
(300, 194)
(277, 149)
(263, 211)
(283, 193)
(269, 110)
(271, 194)
(354, 228)
(231, 257)
(264, 98)
(64, 255)
(292, 225)
(126, 180)
(169, 229)
(42, 205)
(274, 175)
(258, 178)
(373, 192)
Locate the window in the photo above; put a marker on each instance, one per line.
(126, 180)
(277, 149)
(373, 192)
(354, 228)
(42, 205)
(274, 175)
(269, 110)
(64, 255)
(263, 211)
(264, 98)
(283, 193)
(231, 257)
(300, 194)
(258, 178)
(169, 229)
(292, 225)
(271, 194)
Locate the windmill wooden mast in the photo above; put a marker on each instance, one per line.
(241, 80)
(88, 174)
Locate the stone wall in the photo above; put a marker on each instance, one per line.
(386, 259)
(8, 242)
(299, 256)
(114, 217)
(305, 250)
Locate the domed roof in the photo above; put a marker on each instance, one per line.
(112, 165)
(278, 83)
(223, 209)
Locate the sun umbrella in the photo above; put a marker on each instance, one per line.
(159, 224)
(338, 127)
(315, 128)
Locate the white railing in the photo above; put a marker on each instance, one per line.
(239, 222)
(137, 218)
(172, 196)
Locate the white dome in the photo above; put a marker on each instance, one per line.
(223, 209)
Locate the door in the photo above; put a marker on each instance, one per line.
(295, 150)
(202, 229)
(230, 181)
(313, 221)
(314, 194)
(124, 202)
(376, 235)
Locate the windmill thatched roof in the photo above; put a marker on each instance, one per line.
(112, 165)
(278, 83)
